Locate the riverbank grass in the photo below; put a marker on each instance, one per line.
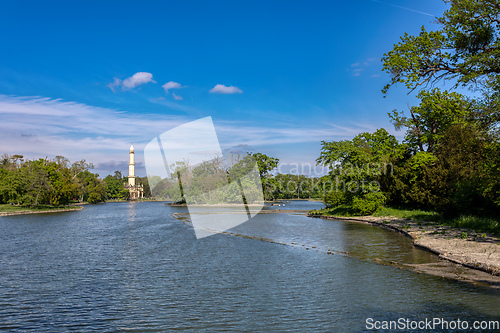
(7, 208)
(475, 223)
(408, 214)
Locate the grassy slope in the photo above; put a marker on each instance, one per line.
(478, 224)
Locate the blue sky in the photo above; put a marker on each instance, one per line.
(85, 79)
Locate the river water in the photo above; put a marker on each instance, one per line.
(134, 267)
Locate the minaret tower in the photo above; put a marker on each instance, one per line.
(131, 167)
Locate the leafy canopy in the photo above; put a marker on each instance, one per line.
(466, 49)
(364, 148)
(428, 121)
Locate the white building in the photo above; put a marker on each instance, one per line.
(136, 191)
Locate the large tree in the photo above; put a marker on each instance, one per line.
(356, 167)
(456, 166)
(265, 163)
(427, 122)
(364, 148)
(465, 49)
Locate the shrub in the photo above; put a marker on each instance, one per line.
(334, 198)
(369, 203)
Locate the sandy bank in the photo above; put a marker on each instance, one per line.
(41, 211)
(477, 251)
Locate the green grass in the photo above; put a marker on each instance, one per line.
(6, 208)
(342, 210)
(408, 214)
(475, 223)
(478, 224)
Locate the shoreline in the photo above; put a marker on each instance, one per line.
(230, 205)
(138, 200)
(478, 252)
(41, 211)
(460, 259)
(472, 271)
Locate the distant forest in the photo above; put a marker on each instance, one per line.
(203, 181)
(57, 182)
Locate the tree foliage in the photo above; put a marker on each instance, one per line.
(356, 167)
(465, 49)
(48, 182)
(453, 159)
(428, 121)
(115, 188)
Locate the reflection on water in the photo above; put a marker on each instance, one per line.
(132, 266)
(132, 211)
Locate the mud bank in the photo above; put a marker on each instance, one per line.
(470, 256)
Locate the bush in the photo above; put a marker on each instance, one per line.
(94, 198)
(369, 203)
(334, 198)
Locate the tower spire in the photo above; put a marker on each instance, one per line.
(131, 166)
(136, 191)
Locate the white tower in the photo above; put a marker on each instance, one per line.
(131, 167)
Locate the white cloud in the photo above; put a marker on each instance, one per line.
(358, 67)
(222, 89)
(115, 84)
(38, 127)
(131, 82)
(171, 85)
(177, 97)
(137, 79)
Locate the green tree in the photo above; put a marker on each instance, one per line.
(144, 182)
(457, 165)
(265, 163)
(115, 186)
(91, 188)
(470, 162)
(364, 148)
(47, 182)
(429, 120)
(36, 181)
(466, 49)
(356, 167)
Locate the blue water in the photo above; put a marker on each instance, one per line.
(295, 204)
(133, 267)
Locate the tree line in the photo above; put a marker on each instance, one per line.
(208, 178)
(57, 182)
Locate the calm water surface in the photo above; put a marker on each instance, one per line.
(133, 267)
